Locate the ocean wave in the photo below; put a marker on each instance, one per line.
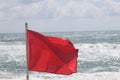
(100, 57)
(11, 37)
(93, 59)
(98, 51)
(76, 76)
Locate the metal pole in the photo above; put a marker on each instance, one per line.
(27, 56)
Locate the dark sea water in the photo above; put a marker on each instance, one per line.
(99, 56)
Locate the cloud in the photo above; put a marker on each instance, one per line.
(49, 9)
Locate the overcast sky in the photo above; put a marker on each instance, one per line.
(59, 15)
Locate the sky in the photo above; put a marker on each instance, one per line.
(59, 15)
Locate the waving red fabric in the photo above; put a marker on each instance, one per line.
(51, 54)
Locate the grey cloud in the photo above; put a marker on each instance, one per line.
(17, 9)
(29, 1)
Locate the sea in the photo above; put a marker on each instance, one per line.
(98, 56)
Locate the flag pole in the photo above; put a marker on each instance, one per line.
(27, 72)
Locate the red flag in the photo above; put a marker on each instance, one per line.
(51, 54)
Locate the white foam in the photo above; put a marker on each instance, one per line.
(86, 52)
(14, 49)
(77, 76)
(98, 51)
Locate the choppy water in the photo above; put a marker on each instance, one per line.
(99, 56)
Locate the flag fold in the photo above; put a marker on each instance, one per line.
(51, 54)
